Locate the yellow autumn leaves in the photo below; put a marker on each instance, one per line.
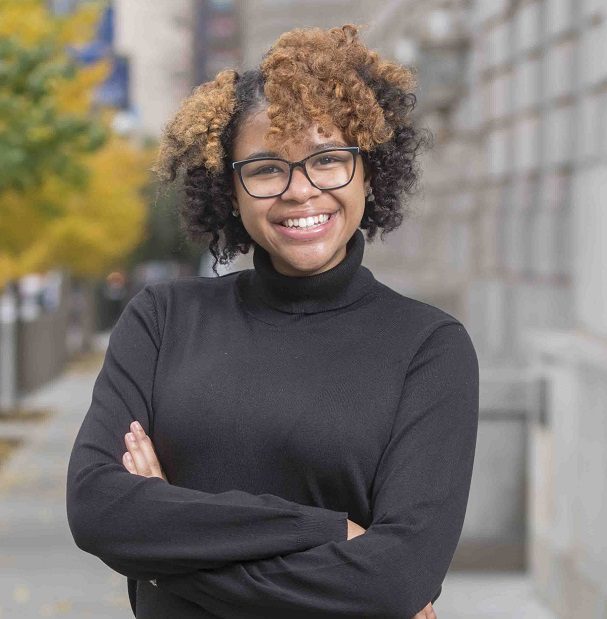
(87, 228)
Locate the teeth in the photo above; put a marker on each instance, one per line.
(306, 222)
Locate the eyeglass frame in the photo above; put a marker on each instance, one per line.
(237, 167)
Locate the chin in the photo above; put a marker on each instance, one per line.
(312, 260)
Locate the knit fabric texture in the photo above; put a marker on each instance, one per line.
(279, 407)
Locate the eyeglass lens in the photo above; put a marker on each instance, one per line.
(327, 170)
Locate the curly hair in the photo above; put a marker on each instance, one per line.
(310, 75)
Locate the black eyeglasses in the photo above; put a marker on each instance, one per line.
(268, 177)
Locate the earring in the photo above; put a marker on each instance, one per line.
(235, 212)
(370, 196)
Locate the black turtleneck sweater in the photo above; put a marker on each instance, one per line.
(280, 407)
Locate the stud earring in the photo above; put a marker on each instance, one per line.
(370, 196)
(235, 212)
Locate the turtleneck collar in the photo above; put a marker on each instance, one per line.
(339, 286)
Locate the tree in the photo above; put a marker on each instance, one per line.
(44, 128)
(70, 191)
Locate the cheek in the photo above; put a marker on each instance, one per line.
(351, 197)
(237, 189)
(243, 199)
(357, 195)
(253, 212)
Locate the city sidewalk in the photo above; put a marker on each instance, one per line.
(44, 574)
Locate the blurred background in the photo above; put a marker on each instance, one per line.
(509, 234)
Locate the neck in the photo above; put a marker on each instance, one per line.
(340, 285)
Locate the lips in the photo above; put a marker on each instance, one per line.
(308, 234)
(325, 219)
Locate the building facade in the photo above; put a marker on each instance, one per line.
(511, 238)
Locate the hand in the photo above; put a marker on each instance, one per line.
(354, 530)
(141, 459)
(426, 613)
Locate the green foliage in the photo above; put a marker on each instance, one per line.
(37, 137)
(165, 239)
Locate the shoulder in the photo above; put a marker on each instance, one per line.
(423, 327)
(178, 300)
(192, 288)
(409, 313)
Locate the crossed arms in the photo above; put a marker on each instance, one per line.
(242, 555)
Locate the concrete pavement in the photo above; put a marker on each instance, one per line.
(44, 574)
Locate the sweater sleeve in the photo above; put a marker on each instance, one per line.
(419, 498)
(144, 527)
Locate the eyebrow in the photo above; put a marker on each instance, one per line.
(314, 149)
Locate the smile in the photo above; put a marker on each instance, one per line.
(307, 222)
(305, 229)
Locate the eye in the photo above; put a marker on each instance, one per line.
(331, 158)
(267, 168)
(327, 159)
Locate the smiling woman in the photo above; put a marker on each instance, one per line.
(314, 186)
(314, 89)
(307, 434)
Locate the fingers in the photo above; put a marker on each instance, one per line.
(140, 448)
(129, 465)
(426, 613)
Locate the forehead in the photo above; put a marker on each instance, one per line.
(251, 139)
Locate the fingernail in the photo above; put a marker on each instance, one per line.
(131, 437)
(137, 427)
(128, 457)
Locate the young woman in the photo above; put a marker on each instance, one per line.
(299, 437)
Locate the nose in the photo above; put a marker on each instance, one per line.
(300, 188)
